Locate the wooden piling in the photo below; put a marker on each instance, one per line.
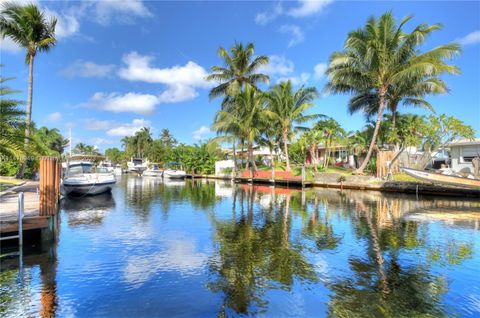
(50, 171)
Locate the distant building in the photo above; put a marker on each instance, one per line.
(462, 153)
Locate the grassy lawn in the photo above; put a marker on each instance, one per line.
(404, 177)
(8, 183)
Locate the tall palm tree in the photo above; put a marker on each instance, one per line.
(287, 108)
(12, 120)
(247, 119)
(380, 56)
(31, 29)
(332, 132)
(408, 93)
(240, 68)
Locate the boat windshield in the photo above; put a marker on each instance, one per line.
(102, 170)
(155, 167)
(137, 161)
(80, 168)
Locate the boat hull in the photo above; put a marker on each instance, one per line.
(443, 180)
(170, 174)
(88, 188)
(155, 174)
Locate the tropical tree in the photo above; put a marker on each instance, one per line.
(31, 29)
(12, 120)
(381, 56)
(247, 120)
(167, 138)
(332, 133)
(84, 149)
(51, 139)
(287, 108)
(239, 68)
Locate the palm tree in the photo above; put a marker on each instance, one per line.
(11, 123)
(238, 70)
(332, 132)
(31, 29)
(51, 139)
(380, 56)
(287, 108)
(247, 120)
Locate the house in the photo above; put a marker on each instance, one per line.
(462, 152)
(339, 152)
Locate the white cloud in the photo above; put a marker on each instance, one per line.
(106, 11)
(308, 7)
(87, 69)
(97, 142)
(296, 80)
(129, 102)
(53, 117)
(278, 65)
(319, 70)
(295, 32)
(181, 81)
(471, 38)
(128, 129)
(94, 124)
(67, 25)
(268, 16)
(201, 133)
(8, 45)
(304, 8)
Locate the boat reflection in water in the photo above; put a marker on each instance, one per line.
(241, 249)
(88, 210)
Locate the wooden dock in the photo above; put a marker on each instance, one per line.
(40, 203)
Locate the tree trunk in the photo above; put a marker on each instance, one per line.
(285, 147)
(234, 160)
(272, 162)
(381, 96)
(28, 114)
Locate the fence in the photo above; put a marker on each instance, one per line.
(384, 158)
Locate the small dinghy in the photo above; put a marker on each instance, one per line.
(444, 180)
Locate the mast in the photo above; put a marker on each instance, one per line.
(70, 143)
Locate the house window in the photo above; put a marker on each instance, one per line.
(468, 153)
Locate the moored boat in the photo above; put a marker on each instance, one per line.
(137, 165)
(444, 180)
(174, 171)
(81, 179)
(153, 171)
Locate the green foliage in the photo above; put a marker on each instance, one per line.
(199, 158)
(84, 149)
(115, 155)
(381, 59)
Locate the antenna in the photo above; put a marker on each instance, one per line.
(70, 143)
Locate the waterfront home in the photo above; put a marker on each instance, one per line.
(462, 153)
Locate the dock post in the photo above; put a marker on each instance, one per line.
(21, 206)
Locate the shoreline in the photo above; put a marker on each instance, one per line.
(382, 186)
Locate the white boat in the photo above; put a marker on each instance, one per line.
(444, 180)
(173, 172)
(107, 165)
(81, 178)
(137, 165)
(153, 171)
(118, 171)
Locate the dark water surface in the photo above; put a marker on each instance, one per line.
(205, 249)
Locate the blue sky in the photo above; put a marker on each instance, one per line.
(121, 65)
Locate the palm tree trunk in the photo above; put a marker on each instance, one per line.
(21, 172)
(234, 160)
(285, 147)
(381, 96)
(272, 162)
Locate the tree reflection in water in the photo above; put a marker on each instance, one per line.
(255, 253)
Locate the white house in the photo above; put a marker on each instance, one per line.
(462, 153)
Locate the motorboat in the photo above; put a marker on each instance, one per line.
(107, 165)
(82, 178)
(137, 165)
(118, 171)
(444, 179)
(153, 171)
(173, 171)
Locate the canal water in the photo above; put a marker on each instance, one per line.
(205, 249)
